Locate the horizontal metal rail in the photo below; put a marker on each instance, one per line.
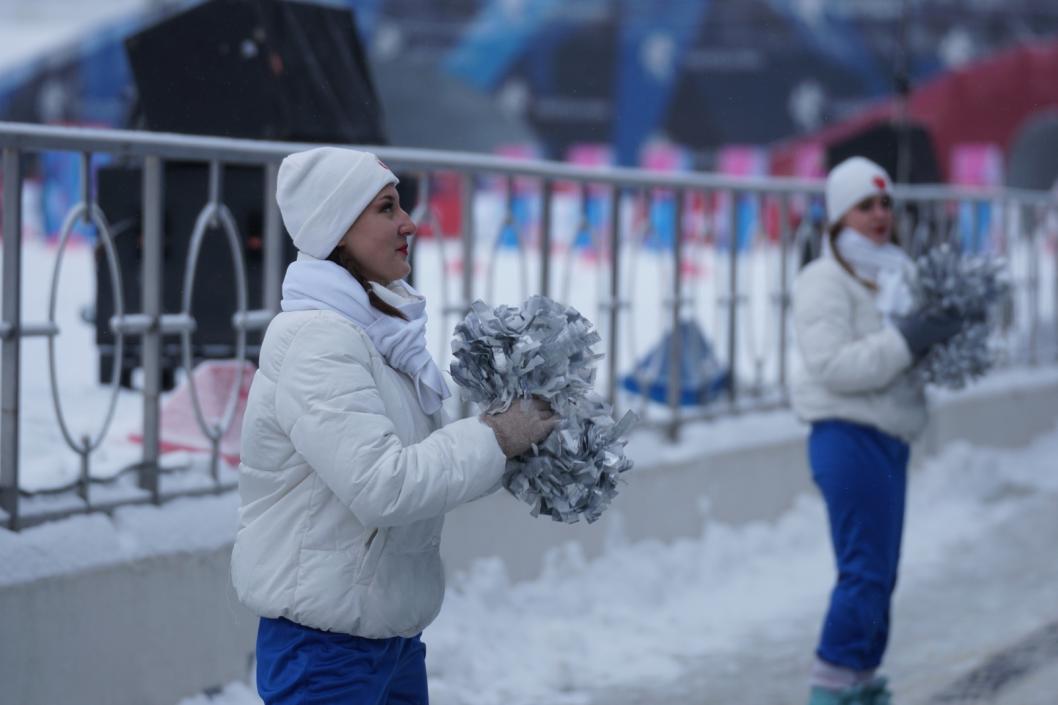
(743, 302)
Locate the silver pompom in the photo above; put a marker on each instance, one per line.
(973, 287)
(544, 349)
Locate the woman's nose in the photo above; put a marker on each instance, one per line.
(408, 227)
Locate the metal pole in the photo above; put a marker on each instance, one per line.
(468, 255)
(468, 240)
(151, 295)
(903, 88)
(1054, 286)
(940, 215)
(676, 351)
(615, 293)
(546, 189)
(974, 225)
(784, 287)
(732, 303)
(1033, 283)
(12, 320)
(273, 243)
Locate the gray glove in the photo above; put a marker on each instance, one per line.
(526, 422)
(923, 331)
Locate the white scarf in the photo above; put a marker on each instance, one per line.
(887, 265)
(311, 284)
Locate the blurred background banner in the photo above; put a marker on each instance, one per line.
(739, 88)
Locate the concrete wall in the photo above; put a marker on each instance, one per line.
(158, 629)
(149, 632)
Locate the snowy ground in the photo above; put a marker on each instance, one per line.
(732, 616)
(732, 613)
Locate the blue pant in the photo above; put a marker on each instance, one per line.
(862, 474)
(297, 665)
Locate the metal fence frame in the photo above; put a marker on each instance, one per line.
(150, 324)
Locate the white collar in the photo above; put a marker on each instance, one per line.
(314, 284)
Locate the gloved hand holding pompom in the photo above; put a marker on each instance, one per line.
(542, 350)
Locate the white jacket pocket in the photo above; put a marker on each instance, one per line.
(373, 547)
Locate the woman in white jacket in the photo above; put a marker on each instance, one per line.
(347, 465)
(865, 408)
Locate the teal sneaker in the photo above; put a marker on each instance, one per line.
(826, 696)
(873, 692)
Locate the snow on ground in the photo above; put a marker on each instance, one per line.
(652, 607)
(644, 615)
(91, 541)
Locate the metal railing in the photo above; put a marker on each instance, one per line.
(669, 252)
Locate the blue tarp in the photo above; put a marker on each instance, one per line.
(702, 377)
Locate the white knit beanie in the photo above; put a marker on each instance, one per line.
(321, 192)
(850, 182)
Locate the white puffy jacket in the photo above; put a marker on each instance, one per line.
(344, 484)
(854, 366)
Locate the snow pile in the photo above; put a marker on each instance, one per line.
(553, 639)
(91, 541)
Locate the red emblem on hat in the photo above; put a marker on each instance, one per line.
(879, 182)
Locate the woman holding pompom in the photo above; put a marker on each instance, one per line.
(856, 389)
(348, 466)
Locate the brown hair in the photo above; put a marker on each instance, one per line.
(342, 259)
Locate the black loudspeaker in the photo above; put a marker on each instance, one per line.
(881, 144)
(214, 296)
(262, 69)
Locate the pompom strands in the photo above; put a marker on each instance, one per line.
(543, 349)
(970, 286)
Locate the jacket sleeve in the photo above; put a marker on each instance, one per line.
(328, 403)
(842, 363)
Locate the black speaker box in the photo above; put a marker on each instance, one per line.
(214, 295)
(262, 69)
(881, 144)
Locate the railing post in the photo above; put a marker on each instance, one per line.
(676, 350)
(1032, 283)
(273, 243)
(784, 288)
(546, 193)
(615, 294)
(975, 226)
(732, 298)
(1052, 212)
(467, 242)
(11, 342)
(151, 296)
